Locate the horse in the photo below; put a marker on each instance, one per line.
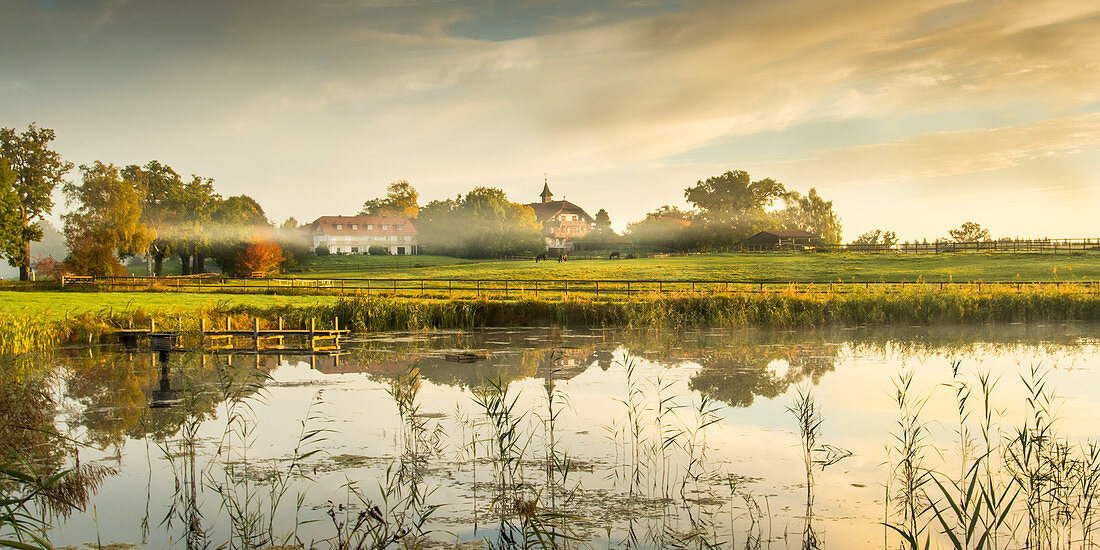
(563, 258)
(540, 258)
(613, 256)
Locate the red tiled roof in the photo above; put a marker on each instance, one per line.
(326, 225)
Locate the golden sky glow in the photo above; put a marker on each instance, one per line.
(913, 116)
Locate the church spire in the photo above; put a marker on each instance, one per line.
(546, 195)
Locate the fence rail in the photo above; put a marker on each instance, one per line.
(535, 288)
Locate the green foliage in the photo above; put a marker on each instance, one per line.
(969, 232)
(106, 221)
(321, 250)
(37, 171)
(482, 224)
(401, 200)
(878, 237)
(376, 250)
(813, 214)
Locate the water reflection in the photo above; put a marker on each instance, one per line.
(636, 439)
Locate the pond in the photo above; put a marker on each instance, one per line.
(570, 438)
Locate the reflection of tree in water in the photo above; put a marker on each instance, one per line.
(32, 444)
(737, 376)
(114, 391)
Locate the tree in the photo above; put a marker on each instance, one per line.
(481, 224)
(105, 223)
(721, 198)
(235, 222)
(603, 222)
(969, 232)
(812, 214)
(401, 200)
(260, 257)
(194, 206)
(38, 170)
(160, 188)
(666, 227)
(291, 224)
(732, 207)
(878, 237)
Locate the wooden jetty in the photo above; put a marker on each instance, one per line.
(312, 340)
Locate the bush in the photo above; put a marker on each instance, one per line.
(92, 258)
(321, 250)
(375, 250)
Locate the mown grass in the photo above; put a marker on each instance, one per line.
(783, 267)
(26, 329)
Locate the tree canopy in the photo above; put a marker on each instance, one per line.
(36, 170)
(969, 232)
(483, 223)
(105, 222)
(401, 200)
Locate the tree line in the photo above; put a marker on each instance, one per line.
(119, 212)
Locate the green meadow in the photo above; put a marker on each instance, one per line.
(770, 267)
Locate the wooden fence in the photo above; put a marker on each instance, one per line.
(534, 288)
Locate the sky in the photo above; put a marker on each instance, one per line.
(910, 116)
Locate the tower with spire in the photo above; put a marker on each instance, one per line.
(546, 195)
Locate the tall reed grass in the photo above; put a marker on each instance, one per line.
(785, 309)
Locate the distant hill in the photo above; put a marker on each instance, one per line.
(52, 244)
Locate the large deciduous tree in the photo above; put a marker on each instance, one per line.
(732, 207)
(484, 223)
(401, 200)
(104, 222)
(36, 170)
(813, 214)
(160, 188)
(969, 232)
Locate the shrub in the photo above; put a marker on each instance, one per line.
(375, 250)
(321, 250)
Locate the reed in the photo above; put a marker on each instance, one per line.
(916, 304)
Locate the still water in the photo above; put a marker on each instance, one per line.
(598, 438)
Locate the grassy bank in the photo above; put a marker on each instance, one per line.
(24, 329)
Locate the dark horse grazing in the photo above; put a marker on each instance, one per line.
(540, 258)
(563, 258)
(613, 256)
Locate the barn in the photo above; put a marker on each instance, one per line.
(781, 240)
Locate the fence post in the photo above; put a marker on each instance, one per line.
(597, 289)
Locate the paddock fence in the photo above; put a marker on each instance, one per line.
(540, 288)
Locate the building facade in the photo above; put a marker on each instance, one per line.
(562, 221)
(356, 234)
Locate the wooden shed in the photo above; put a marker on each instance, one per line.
(779, 240)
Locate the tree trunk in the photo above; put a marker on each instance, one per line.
(24, 267)
(185, 263)
(200, 263)
(158, 264)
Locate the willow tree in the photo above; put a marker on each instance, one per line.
(35, 171)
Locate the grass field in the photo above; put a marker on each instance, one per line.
(777, 267)
(58, 305)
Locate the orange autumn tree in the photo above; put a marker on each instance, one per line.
(260, 257)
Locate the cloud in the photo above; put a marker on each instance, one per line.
(930, 155)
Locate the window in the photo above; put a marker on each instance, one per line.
(370, 227)
(408, 239)
(398, 227)
(339, 226)
(355, 250)
(385, 227)
(355, 227)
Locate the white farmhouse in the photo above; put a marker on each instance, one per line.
(356, 234)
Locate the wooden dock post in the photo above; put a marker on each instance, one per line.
(336, 335)
(312, 322)
(256, 333)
